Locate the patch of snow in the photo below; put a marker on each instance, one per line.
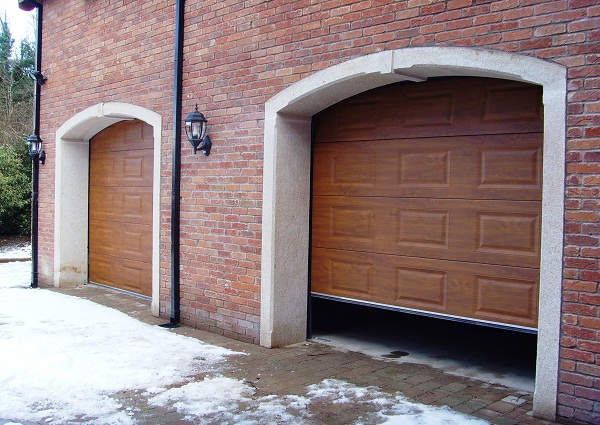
(216, 395)
(226, 400)
(396, 409)
(23, 251)
(408, 413)
(15, 274)
(64, 357)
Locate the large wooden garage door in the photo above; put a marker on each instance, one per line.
(120, 207)
(427, 197)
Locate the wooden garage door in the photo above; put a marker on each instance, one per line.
(427, 197)
(120, 207)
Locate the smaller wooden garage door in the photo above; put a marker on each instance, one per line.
(427, 197)
(120, 207)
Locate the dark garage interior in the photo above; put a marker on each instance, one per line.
(506, 357)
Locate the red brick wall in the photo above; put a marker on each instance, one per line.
(93, 52)
(239, 54)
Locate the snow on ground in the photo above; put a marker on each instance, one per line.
(22, 251)
(396, 410)
(197, 400)
(64, 359)
(15, 274)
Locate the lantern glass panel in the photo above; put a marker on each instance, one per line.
(34, 144)
(197, 130)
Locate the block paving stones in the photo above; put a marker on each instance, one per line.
(288, 371)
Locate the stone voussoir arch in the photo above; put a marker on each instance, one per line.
(71, 190)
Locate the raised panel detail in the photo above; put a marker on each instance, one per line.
(133, 207)
(132, 273)
(423, 228)
(502, 299)
(133, 167)
(424, 287)
(352, 169)
(357, 116)
(424, 168)
(132, 243)
(512, 103)
(132, 134)
(350, 277)
(509, 167)
(352, 224)
(508, 233)
(125, 274)
(429, 109)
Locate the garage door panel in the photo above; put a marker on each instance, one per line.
(513, 233)
(424, 167)
(120, 206)
(426, 228)
(131, 168)
(344, 276)
(353, 168)
(438, 108)
(354, 277)
(467, 167)
(132, 241)
(128, 205)
(501, 299)
(510, 167)
(491, 232)
(125, 136)
(516, 105)
(482, 292)
(122, 273)
(421, 288)
(352, 224)
(428, 197)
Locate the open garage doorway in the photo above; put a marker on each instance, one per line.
(426, 198)
(498, 356)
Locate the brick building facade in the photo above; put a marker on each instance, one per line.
(259, 71)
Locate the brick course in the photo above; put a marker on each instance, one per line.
(240, 54)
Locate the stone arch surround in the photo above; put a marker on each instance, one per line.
(286, 184)
(71, 190)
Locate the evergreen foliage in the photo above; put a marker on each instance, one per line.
(16, 111)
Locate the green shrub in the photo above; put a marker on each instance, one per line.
(15, 190)
(16, 110)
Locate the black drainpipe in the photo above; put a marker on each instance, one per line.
(176, 166)
(29, 5)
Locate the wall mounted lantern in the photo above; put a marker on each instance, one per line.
(38, 77)
(34, 145)
(195, 128)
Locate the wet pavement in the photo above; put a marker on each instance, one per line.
(289, 371)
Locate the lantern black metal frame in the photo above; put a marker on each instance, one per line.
(34, 146)
(38, 77)
(195, 129)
